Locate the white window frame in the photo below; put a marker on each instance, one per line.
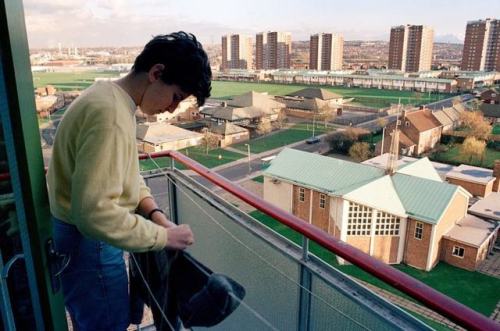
(359, 220)
(302, 194)
(322, 200)
(419, 226)
(456, 251)
(387, 224)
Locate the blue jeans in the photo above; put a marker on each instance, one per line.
(95, 283)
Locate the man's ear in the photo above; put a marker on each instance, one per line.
(155, 72)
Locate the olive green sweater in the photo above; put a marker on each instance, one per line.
(93, 178)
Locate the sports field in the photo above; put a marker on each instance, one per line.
(225, 90)
(368, 97)
(69, 81)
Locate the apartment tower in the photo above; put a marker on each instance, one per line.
(482, 46)
(326, 51)
(272, 50)
(410, 48)
(236, 52)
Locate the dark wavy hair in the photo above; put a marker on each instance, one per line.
(186, 63)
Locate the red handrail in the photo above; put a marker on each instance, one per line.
(444, 305)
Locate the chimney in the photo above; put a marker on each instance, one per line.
(496, 174)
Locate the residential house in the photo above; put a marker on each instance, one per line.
(187, 110)
(449, 117)
(310, 101)
(491, 112)
(419, 131)
(246, 110)
(229, 133)
(402, 217)
(491, 96)
(156, 137)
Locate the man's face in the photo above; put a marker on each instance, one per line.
(160, 97)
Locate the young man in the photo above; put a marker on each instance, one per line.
(96, 193)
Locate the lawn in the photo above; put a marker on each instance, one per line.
(496, 129)
(68, 81)
(215, 157)
(452, 156)
(473, 289)
(283, 137)
(369, 97)
(258, 179)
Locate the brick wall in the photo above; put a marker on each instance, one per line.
(469, 260)
(496, 173)
(456, 211)
(320, 216)
(417, 250)
(301, 208)
(360, 242)
(480, 190)
(385, 248)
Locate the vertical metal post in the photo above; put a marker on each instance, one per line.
(172, 200)
(304, 312)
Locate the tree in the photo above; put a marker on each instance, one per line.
(210, 140)
(264, 127)
(326, 114)
(382, 122)
(472, 147)
(281, 120)
(341, 141)
(477, 126)
(360, 151)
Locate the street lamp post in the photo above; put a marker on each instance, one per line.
(248, 150)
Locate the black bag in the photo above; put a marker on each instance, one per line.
(184, 288)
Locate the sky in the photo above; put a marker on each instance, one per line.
(95, 23)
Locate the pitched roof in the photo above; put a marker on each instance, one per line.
(423, 120)
(490, 110)
(441, 116)
(323, 173)
(231, 113)
(227, 128)
(255, 99)
(158, 133)
(380, 194)
(405, 140)
(425, 198)
(452, 113)
(422, 168)
(311, 93)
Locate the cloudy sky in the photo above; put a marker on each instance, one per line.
(132, 22)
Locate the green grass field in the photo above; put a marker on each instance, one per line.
(224, 90)
(368, 97)
(68, 81)
(473, 289)
(215, 157)
(281, 138)
(452, 156)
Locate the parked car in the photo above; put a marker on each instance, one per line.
(313, 140)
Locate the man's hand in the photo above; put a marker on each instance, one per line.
(179, 237)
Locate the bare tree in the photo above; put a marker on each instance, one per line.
(264, 127)
(326, 114)
(210, 140)
(382, 122)
(281, 120)
(472, 147)
(360, 151)
(476, 124)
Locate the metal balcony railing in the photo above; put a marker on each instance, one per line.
(315, 291)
